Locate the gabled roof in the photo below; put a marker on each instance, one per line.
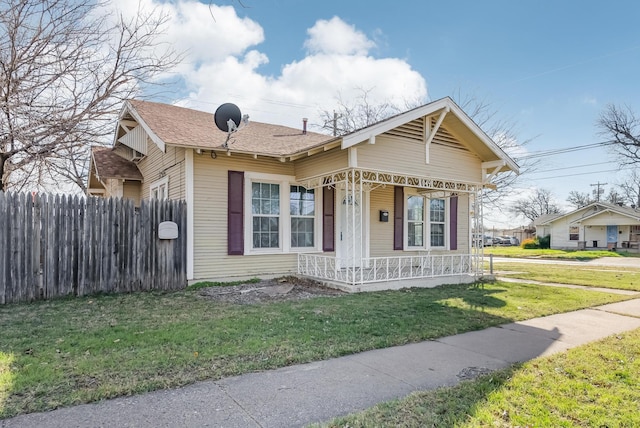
(184, 127)
(547, 218)
(108, 164)
(594, 209)
(597, 208)
(454, 119)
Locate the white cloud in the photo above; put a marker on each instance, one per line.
(222, 64)
(337, 37)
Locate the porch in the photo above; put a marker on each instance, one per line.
(378, 273)
(399, 258)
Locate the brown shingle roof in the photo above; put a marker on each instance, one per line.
(185, 127)
(111, 165)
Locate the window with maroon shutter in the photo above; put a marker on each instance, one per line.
(235, 213)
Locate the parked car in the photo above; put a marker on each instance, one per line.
(505, 240)
(484, 241)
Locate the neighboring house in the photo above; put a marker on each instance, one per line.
(110, 174)
(598, 225)
(390, 202)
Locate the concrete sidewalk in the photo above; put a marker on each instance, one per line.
(298, 395)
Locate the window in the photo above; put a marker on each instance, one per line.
(574, 233)
(283, 216)
(302, 210)
(437, 222)
(415, 221)
(426, 221)
(159, 189)
(265, 210)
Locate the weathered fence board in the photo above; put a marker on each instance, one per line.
(53, 246)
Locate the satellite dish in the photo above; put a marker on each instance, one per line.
(227, 117)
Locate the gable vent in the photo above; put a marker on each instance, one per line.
(413, 130)
(445, 138)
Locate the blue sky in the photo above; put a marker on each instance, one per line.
(548, 67)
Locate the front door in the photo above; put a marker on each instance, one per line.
(612, 234)
(351, 222)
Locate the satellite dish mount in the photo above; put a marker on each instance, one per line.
(229, 119)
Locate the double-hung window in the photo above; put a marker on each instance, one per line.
(265, 211)
(284, 215)
(426, 222)
(437, 222)
(415, 221)
(302, 210)
(159, 189)
(574, 233)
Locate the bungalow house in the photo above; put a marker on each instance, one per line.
(388, 204)
(598, 225)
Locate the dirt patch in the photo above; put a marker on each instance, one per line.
(288, 288)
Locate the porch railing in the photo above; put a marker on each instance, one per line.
(381, 269)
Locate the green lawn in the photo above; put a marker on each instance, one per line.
(65, 352)
(595, 385)
(515, 251)
(593, 276)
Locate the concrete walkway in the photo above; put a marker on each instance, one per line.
(298, 395)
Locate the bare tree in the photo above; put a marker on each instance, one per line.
(539, 203)
(629, 188)
(621, 128)
(504, 132)
(65, 68)
(356, 114)
(579, 199)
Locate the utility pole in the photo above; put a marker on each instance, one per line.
(598, 192)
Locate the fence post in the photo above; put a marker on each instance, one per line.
(491, 264)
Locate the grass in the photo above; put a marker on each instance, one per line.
(64, 352)
(595, 385)
(591, 276)
(515, 251)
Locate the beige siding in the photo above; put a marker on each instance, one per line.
(464, 224)
(131, 190)
(210, 220)
(405, 155)
(321, 163)
(381, 233)
(157, 165)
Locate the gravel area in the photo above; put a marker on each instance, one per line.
(288, 288)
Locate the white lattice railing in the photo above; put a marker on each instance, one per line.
(380, 269)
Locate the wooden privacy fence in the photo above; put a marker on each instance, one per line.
(53, 246)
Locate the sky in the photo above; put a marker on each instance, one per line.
(547, 68)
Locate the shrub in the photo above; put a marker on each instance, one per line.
(530, 244)
(545, 241)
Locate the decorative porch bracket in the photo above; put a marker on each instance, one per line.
(428, 138)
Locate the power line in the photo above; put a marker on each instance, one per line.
(571, 167)
(565, 150)
(585, 173)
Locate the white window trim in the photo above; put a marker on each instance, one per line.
(285, 181)
(410, 191)
(157, 184)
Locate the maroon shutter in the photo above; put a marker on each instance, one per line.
(235, 214)
(453, 223)
(328, 219)
(398, 218)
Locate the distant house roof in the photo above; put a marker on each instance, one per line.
(546, 219)
(111, 165)
(591, 210)
(184, 127)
